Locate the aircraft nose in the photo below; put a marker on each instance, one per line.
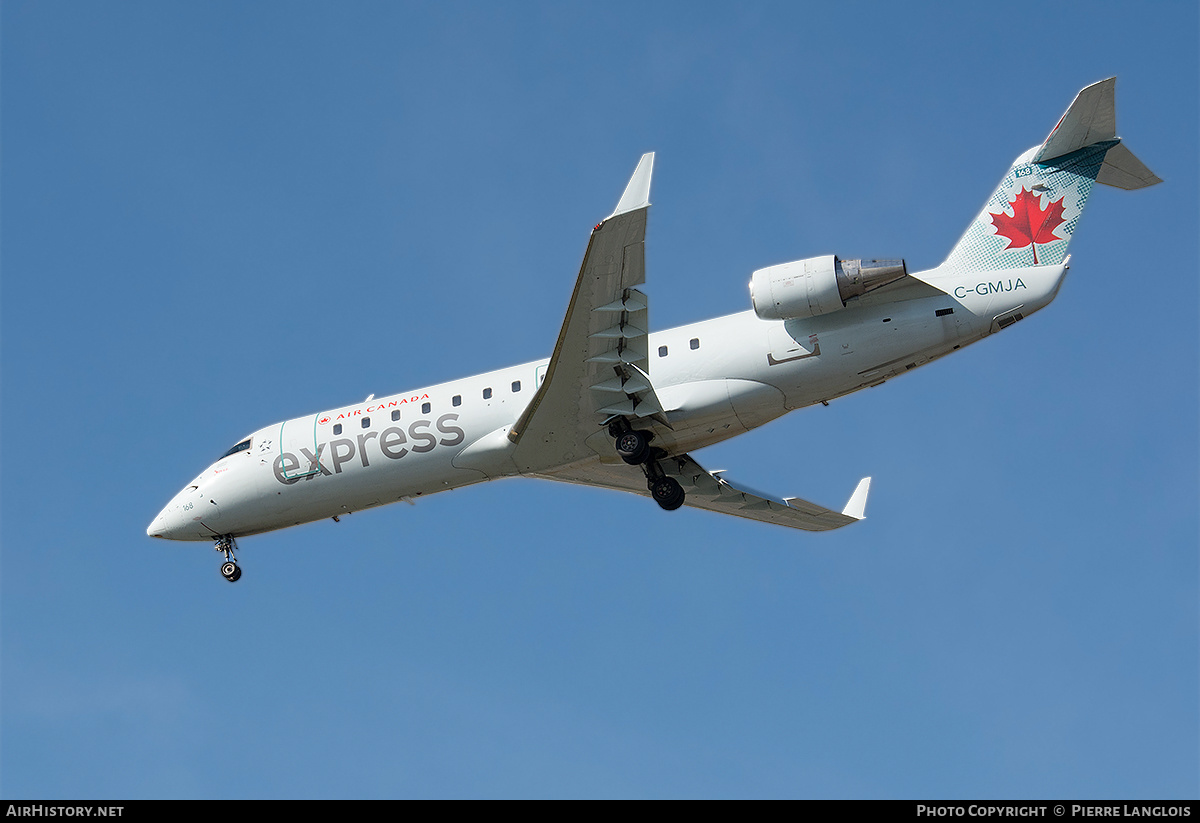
(185, 516)
(169, 524)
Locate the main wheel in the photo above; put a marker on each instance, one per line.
(634, 447)
(667, 493)
(230, 571)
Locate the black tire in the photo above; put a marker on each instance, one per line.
(230, 571)
(634, 447)
(667, 493)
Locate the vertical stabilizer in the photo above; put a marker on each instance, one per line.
(1030, 218)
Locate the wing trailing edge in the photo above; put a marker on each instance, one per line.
(712, 492)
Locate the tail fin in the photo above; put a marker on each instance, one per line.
(1029, 219)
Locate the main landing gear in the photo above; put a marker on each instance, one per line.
(229, 569)
(666, 491)
(633, 446)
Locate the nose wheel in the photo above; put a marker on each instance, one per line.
(229, 569)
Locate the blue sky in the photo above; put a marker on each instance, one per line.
(217, 216)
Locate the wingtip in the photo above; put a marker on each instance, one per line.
(637, 193)
(857, 507)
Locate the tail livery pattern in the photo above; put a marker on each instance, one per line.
(1029, 219)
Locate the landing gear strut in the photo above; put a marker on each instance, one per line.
(229, 569)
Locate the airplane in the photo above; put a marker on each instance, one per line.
(621, 407)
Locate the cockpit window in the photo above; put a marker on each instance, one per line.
(240, 447)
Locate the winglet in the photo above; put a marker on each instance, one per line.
(857, 507)
(637, 193)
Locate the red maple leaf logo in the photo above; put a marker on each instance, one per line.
(1030, 224)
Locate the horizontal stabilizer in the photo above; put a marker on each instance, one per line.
(1124, 171)
(1091, 118)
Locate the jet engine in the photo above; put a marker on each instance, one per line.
(818, 285)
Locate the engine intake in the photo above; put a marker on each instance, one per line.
(818, 285)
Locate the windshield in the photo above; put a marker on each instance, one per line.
(240, 447)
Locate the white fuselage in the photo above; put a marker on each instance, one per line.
(716, 379)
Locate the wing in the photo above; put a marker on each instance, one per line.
(708, 490)
(598, 369)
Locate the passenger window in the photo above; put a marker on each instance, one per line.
(425, 407)
(487, 394)
(366, 424)
(695, 344)
(395, 414)
(516, 386)
(337, 428)
(662, 351)
(457, 401)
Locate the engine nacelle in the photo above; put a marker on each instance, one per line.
(818, 285)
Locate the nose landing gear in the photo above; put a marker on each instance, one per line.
(229, 569)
